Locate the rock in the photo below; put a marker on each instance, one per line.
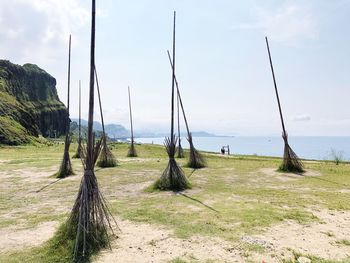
(304, 260)
(257, 241)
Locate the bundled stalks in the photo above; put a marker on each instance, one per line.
(196, 160)
(132, 151)
(291, 162)
(66, 165)
(180, 151)
(173, 177)
(87, 228)
(78, 153)
(107, 158)
(90, 217)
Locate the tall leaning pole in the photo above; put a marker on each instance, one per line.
(173, 177)
(195, 160)
(79, 149)
(66, 165)
(180, 151)
(107, 158)
(90, 219)
(132, 151)
(291, 162)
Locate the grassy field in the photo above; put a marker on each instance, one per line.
(239, 200)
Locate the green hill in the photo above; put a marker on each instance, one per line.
(29, 104)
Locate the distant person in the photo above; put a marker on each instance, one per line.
(222, 150)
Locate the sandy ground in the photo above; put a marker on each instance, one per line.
(12, 239)
(285, 177)
(318, 238)
(139, 242)
(146, 243)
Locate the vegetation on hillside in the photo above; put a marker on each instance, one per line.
(29, 104)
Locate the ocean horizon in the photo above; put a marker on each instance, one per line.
(306, 147)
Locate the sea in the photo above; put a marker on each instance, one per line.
(306, 147)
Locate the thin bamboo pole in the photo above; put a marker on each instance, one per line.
(90, 217)
(100, 103)
(68, 91)
(196, 160)
(178, 118)
(79, 112)
(106, 158)
(172, 86)
(173, 177)
(180, 153)
(179, 95)
(291, 162)
(275, 84)
(131, 125)
(69, 55)
(79, 149)
(90, 141)
(66, 165)
(132, 150)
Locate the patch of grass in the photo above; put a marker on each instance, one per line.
(178, 260)
(254, 248)
(345, 242)
(328, 233)
(302, 217)
(58, 249)
(7, 222)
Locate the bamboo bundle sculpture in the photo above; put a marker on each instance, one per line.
(291, 162)
(196, 160)
(132, 151)
(180, 151)
(66, 165)
(90, 218)
(78, 153)
(107, 158)
(173, 177)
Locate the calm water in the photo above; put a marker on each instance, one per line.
(318, 148)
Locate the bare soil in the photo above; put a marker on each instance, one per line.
(13, 239)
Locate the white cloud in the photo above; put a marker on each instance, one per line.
(39, 28)
(288, 24)
(302, 117)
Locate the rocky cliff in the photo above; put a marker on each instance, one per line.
(29, 104)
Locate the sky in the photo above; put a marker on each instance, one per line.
(221, 60)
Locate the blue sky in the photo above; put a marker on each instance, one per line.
(221, 63)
